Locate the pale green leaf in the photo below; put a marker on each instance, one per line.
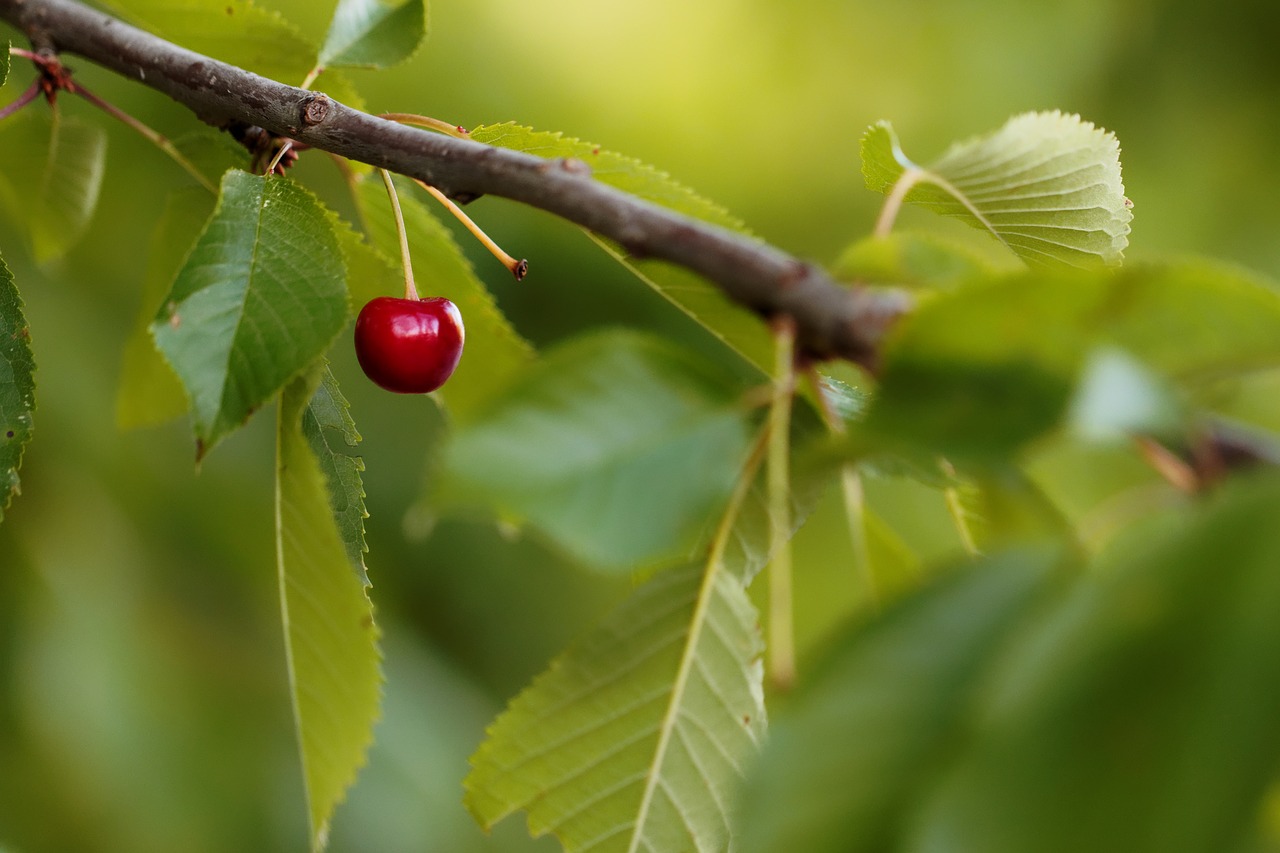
(374, 33)
(328, 426)
(733, 324)
(907, 259)
(17, 386)
(149, 393)
(260, 297)
(494, 350)
(867, 730)
(624, 446)
(330, 637)
(1047, 185)
(637, 737)
(54, 195)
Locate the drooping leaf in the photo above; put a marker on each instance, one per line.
(374, 33)
(260, 297)
(494, 350)
(636, 738)
(736, 326)
(150, 393)
(17, 386)
(331, 642)
(625, 446)
(840, 769)
(1140, 715)
(329, 428)
(54, 195)
(1047, 185)
(979, 372)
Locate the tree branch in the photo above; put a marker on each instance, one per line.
(831, 320)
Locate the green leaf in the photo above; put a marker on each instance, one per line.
(332, 434)
(54, 196)
(839, 770)
(150, 393)
(17, 386)
(494, 351)
(905, 259)
(1140, 717)
(615, 445)
(979, 372)
(1047, 185)
(331, 642)
(260, 297)
(739, 328)
(636, 737)
(374, 33)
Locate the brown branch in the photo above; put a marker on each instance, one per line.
(831, 320)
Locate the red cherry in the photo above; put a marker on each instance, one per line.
(409, 346)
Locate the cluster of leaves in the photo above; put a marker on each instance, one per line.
(1060, 687)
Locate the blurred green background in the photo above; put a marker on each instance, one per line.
(143, 703)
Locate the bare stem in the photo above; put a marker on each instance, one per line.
(782, 642)
(457, 131)
(410, 290)
(32, 92)
(518, 268)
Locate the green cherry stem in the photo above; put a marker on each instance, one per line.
(782, 642)
(518, 268)
(410, 290)
(32, 92)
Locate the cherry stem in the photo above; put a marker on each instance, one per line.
(311, 77)
(156, 138)
(32, 92)
(410, 290)
(457, 131)
(275, 161)
(782, 642)
(519, 268)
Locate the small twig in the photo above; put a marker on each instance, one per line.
(32, 92)
(410, 290)
(519, 268)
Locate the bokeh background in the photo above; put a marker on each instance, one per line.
(143, 703)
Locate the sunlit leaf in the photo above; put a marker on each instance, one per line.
(54, 195)
(736, 326)
(494, 350)
(328, 426)
(260, 297)
(624, 447)
(636, 738)
(1047, 185)
(906, 259)
(150, 393)
(374, 33)
(840, 769)
(330, 637)
(1140, 715)
(17, 386)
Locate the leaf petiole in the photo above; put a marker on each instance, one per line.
(782, 651)
(518, 268)
(32, 92)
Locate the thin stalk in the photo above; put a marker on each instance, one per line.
(955, 507)
(518, 268)
(782, 643)
(457, 131)
(32, 92)
(893, 204)
(410, 290)
(311, 77)
(275, 161)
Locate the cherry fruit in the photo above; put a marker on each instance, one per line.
(409, 346)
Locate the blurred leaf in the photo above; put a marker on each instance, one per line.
(331, 432)
(1141, 714)
(17, 386)
(331, 642)
(212, 152)
(150, 393)
(494, 351)
(636, 737)
(1047, 185)
(910, 260)
(839, 771)
(1118, 398)
(54, 195)
(615, 445)
(374, 33)
(736, 326)
(260, 297)
(980, 372)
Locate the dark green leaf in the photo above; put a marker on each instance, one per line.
(1141, 715)
(616, 446)
(328, 427)
(840, 769)
(17, 386)
(374, 33)
(331, 642)
(260, 297)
